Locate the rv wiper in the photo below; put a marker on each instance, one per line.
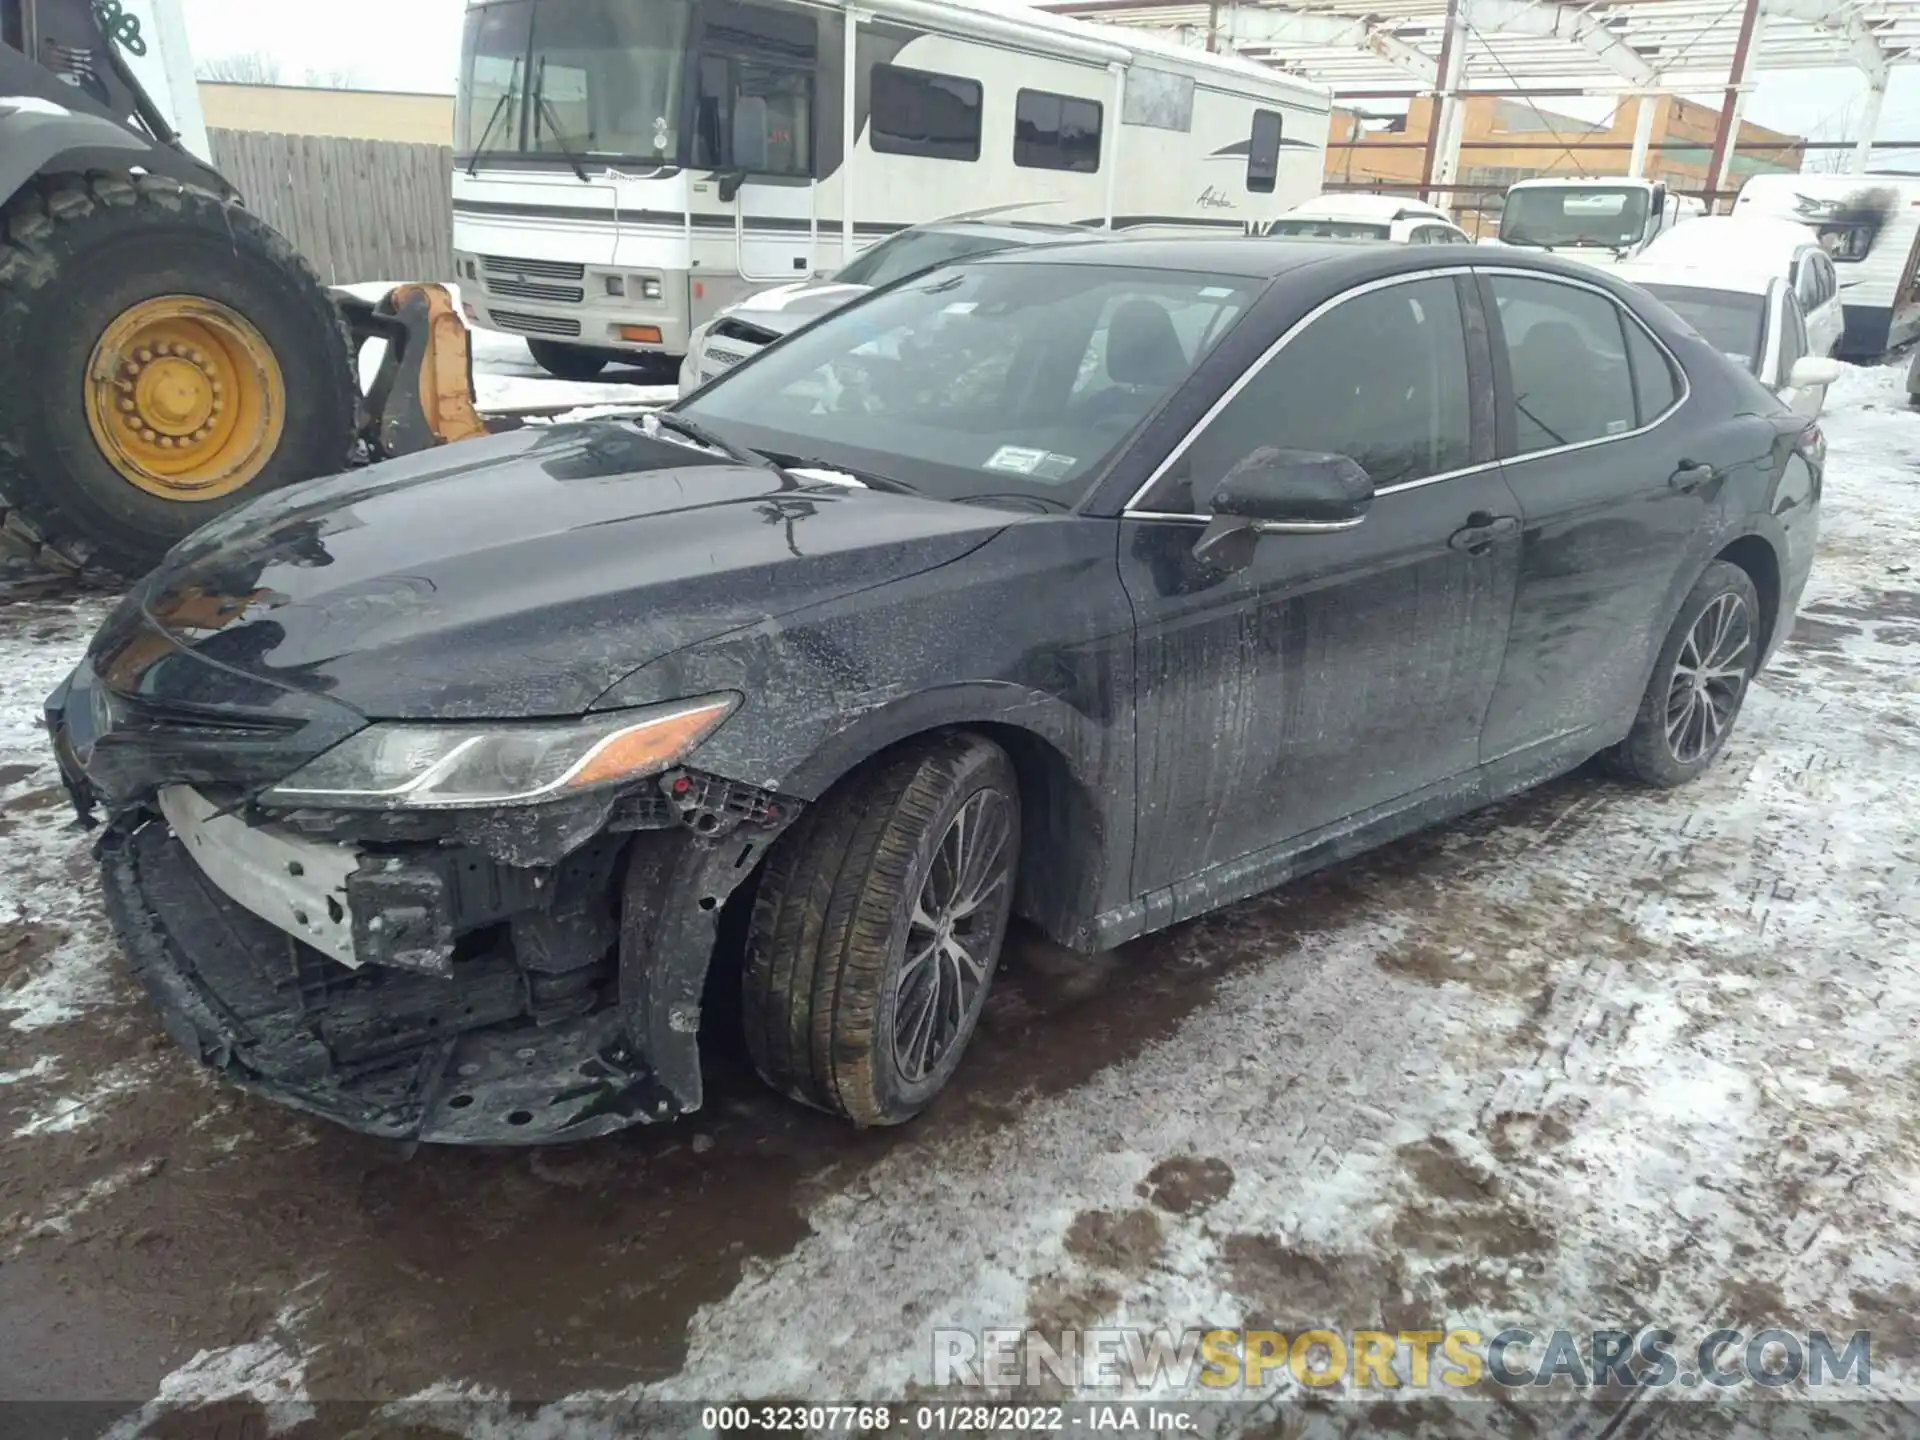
(513, 86)
(544, 106)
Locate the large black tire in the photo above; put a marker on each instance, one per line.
(1657, 753)
(566, 362)
(823, 1000)
(76, 251)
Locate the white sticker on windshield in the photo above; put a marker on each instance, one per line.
(1017, 459)
(961, 307)
(1041, 464)
(1216, 292)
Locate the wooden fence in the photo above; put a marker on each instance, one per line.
(357, 209)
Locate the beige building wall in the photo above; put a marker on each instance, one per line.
(355, 114)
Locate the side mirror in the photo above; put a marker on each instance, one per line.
(1282, 492)
(1813, 370)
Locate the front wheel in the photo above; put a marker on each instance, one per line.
(877, 928)
(1699, 682)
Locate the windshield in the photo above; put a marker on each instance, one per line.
(995, 380)
(1332, 229)
(579, 77)
(1554, 215)
(1734, 324)
(914, 250)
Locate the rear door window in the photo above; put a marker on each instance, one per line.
(1567, 355)
(1656, 389)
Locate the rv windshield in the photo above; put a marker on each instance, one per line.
(1548, 216)
(573, 77)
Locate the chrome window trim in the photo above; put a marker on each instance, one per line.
(1686, 380)
(1131, 512)
(1266, 357)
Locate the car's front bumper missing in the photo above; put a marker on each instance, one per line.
(360, 1047)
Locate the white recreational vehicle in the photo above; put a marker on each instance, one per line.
(1870, 226)
(625, 168)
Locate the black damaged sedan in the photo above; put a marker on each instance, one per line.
(1099, 585)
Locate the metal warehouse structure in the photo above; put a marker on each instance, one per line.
(1399, 49)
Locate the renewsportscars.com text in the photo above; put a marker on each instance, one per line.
(1442, 1360)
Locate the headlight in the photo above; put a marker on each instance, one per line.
(404, 765)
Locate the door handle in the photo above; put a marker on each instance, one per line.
(1482, 530)
(1690, 477)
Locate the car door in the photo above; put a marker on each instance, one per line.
(1334, 673)
(1610, 498)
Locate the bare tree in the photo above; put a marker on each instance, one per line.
(338, 79)
(250, 67)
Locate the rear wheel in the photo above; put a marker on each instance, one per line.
(1699, 682)
(163, 355)
(877, 928)
(566, 362)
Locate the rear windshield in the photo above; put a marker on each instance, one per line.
(1733, 323)
(1332, 229)
(980, 380)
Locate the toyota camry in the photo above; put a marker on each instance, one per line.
(1098, 585)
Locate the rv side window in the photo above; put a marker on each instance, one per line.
(1846, 242)
(1263, 152)
(1056, 132)
(916, 112)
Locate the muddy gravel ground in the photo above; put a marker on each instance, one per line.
(1596, 1057)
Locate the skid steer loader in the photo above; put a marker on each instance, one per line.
(165, 354)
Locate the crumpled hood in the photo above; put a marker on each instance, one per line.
(522, 575)
(787, 308)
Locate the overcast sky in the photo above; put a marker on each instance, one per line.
(415, 45)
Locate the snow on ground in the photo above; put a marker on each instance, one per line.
(1596, 1057)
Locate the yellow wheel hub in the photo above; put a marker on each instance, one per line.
(185, 398)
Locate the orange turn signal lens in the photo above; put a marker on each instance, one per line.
(641, 334)
(650, 746)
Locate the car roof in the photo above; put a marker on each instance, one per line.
(1747, 242)
(1268, 258)
(1365, 207)
(1740, 280)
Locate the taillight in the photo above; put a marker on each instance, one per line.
(1812, 445)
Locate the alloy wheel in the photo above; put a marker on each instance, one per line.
(1709, 679)
(952, 935)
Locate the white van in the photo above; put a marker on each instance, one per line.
(1869, 225)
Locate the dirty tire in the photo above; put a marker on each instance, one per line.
(1649, 755)
(566, 362)
(833, 917)
(75, 252)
